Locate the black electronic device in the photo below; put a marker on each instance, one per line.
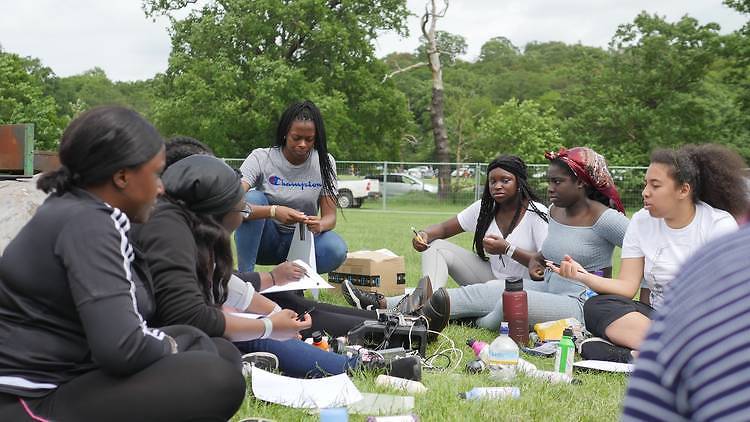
(394, 331)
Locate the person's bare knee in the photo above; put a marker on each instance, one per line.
(628, 330)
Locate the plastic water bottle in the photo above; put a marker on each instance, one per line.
(503, 355)
(481, 349)
(588, 294)
(478, 393)
(565, 353)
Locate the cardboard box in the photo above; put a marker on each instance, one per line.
(382, 271)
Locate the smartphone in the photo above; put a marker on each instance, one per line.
(301, 317)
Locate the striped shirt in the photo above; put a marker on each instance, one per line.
(694, 363)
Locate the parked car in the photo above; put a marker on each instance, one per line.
(353, 192)
(399, 184)
(421, 172)
(463, 172)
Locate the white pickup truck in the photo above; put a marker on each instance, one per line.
(353, 192)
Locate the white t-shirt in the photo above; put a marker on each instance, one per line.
(665, 249)
(239, 293)
(529, 235)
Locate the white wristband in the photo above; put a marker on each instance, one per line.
(268, 327)
(511, 251)
(276, 310)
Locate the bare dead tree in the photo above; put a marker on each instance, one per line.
(437, 105)
(400, 70)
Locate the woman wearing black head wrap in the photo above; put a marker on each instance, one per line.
(509, 225)
(187, 245)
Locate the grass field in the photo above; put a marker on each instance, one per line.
(597, 398)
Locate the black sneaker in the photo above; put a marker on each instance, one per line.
(261, 360)
(437, 311)
(596, 348)
(361, 299)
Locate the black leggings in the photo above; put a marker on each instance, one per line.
(333, 319)
(196, 385)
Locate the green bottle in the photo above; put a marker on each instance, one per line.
(565, 353)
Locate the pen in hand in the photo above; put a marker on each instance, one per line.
(417, 235)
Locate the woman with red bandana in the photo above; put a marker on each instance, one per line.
(691, 196)
(581, 224)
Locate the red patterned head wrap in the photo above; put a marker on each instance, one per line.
(589, 166)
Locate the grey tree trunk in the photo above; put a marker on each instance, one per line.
(437, 105)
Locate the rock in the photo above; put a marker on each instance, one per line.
(18, 203)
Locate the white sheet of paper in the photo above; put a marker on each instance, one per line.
(247, 315)
(335, 391)
(602, 365)
(303, 250)
(310, 281)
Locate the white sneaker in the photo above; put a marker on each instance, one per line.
(261, 360)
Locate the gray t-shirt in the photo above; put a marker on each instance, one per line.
(293, 186)
(590, 246)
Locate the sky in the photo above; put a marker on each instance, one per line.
(73, 36)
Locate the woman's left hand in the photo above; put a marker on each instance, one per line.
(314, 224)
(494, 245)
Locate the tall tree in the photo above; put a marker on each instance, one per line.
(524, 128)
(236, 64)
(437, 111)
(651, 92)
(25, 97)
(449, 46)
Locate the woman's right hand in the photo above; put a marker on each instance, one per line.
(420, 242)
(537, 267)
(286, 272)
(286, 326)
(286, 215)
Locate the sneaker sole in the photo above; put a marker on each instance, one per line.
(349, 295)
(261, 360)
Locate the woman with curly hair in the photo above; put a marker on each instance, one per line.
(692, 195)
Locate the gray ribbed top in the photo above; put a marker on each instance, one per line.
(590, 246)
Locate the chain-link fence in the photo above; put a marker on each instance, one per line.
(413, 186)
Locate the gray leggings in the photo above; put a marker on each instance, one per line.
(480, 295)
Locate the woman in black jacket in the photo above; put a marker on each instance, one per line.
(188, 248)
(74, 295)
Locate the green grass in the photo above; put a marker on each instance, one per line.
(598, 397)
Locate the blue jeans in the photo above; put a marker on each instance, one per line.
(299, 359)
(261, 241)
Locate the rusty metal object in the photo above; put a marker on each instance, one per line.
(16, 149)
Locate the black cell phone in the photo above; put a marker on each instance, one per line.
(301, 317)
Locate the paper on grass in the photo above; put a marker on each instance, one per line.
(312, 280)
(335, 391)
(604, 366)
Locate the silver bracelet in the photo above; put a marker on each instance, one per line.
(511, 250)
(172, 344)
(267, 327)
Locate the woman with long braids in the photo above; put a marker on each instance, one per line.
(509, 225)
(187, 244)
(286, 184)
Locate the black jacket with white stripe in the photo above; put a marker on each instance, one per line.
(74, 296)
